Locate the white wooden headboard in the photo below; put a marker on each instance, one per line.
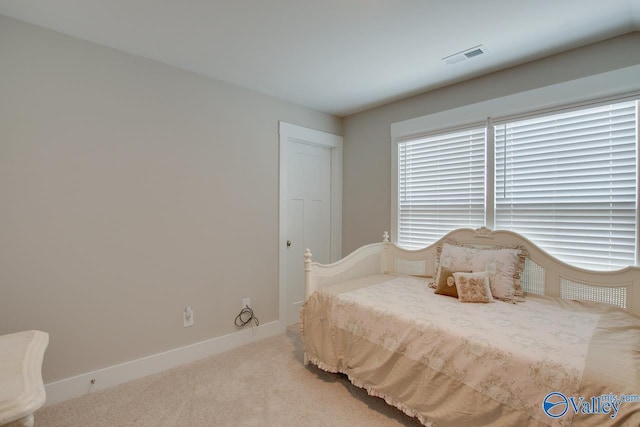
(543, 273)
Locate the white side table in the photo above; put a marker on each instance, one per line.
(21, 388)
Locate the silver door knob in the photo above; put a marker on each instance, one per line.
(288, 243)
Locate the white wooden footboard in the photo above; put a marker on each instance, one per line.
(543, 274)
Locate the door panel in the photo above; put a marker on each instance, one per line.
(309, 216)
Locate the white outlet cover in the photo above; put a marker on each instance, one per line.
(187, 322)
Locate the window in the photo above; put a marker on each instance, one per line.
(441, 185)
(567, 181)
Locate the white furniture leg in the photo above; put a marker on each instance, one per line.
(22, 422)
(22, 391)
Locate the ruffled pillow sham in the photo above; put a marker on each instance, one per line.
(503, 266)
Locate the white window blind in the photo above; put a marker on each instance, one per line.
(568, 182)
(440, 186)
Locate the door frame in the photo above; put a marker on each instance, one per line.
(294, 133)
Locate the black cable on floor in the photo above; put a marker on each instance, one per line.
(245, 317)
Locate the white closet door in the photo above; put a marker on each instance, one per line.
(310, 208)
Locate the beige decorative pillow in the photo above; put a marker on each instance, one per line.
(446, 284)
(473, 287)
(502, 265)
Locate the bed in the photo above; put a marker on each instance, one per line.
(553, 344)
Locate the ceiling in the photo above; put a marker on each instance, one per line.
(336, 56)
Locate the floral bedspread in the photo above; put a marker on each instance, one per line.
(512, 355)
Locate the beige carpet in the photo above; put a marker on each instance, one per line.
(260, 384)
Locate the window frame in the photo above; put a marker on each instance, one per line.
(468, 168)
(399, 135)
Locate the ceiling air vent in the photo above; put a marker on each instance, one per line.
(465, 54)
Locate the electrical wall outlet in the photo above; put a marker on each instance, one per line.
(246, 302)
(187, 317)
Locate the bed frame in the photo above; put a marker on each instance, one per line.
(543, 274)
(421, 388)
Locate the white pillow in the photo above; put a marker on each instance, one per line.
(502, 265)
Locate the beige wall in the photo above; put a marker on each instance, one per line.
(367, 149)
(129, 189)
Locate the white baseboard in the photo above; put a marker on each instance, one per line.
(79, 385)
